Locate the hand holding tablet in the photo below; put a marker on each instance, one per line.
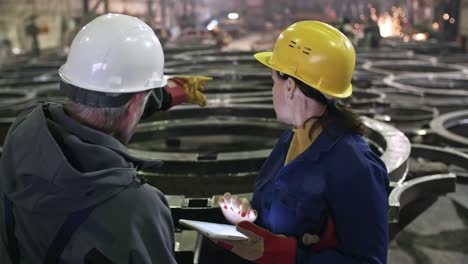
(214, 230)
(236, 210)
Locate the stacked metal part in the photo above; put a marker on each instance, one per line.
(207, 151)
(425, 93)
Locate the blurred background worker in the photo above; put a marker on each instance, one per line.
(321, 196)
(70, 190)
(32, 30)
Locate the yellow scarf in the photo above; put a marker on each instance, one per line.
(301, 140)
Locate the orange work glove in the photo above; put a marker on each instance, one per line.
(192, 89)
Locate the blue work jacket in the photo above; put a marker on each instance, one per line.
(337, 176)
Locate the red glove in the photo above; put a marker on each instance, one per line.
(328, 239)
(262, 247)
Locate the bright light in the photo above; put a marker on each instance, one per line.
(446, 16)
(406, 39)
(213, 23)
(422, 132)
(233, 16)
(420, 37)
(435, 26)
(389, 25)
(385, 25)
(386, 118)
(452, 20)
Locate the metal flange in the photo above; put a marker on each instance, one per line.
(403, 67)
(451, 129)
(446, 92)
(235, 55)
(362, 98)
(366, 79)
(451, 84)
(11, 100)
(27, 71)
(201, 147)
(459, 59)
(445, 155)
(407, 119)
(219, 68)
(389, 55)
(394, 146)
(184, 158)
(406, 192)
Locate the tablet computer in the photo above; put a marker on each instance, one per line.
(214, 230)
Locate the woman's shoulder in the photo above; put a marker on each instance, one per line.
(353, 154)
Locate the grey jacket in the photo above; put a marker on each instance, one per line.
(52, 166)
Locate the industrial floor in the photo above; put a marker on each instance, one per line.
(438, 235)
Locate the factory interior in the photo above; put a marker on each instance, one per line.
(409, 88)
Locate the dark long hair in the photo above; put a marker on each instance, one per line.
(336, 112)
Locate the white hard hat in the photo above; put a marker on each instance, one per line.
(115, 54)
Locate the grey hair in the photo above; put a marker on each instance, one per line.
(102, 118)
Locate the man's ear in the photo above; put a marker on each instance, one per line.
(292, 85)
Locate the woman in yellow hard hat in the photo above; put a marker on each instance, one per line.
(321, 196)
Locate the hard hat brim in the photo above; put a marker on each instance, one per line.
(265, 59)
(63, 76)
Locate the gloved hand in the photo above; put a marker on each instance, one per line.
(193, 87)
(262, 246)
(236, 210)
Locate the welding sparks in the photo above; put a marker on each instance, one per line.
(389, 25)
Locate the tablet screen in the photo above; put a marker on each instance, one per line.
(214, 230)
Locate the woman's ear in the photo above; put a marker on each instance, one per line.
(291, 87)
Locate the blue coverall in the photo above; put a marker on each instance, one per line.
(338, 175)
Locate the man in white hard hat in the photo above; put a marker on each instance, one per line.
(70, 191)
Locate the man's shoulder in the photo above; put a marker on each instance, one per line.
(143, 196)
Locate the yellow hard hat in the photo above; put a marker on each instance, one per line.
(315, 53)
